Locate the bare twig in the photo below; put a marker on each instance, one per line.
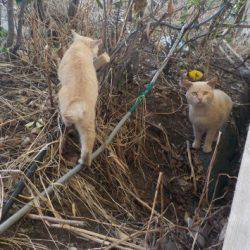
(47, 70)
(57, 220)
(206, 186)
(211, 164)
(192, 167)
(1, 196)
(155, 199)
(157, 189)
(97, 237)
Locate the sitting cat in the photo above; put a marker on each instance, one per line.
(79, 91)
(209, 109)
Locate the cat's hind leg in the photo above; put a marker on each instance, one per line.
(64, 133)
(86, 132)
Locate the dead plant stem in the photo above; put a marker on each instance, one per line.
(192, 167)
(206, 186)
(57, 220)
(47, 70)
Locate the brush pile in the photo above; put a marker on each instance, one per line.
(141, 192)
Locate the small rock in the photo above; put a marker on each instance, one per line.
(29, 125)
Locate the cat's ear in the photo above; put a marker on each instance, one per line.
(185, 83)
(75, 35)
(96, 43)
(212, 82)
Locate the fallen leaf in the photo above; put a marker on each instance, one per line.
(29, 125)
(39, 124)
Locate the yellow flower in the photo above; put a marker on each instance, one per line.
(195, 75)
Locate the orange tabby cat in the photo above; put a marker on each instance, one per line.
(209, 109)
(79, 91)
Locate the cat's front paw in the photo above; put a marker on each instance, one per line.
(207, 149)
(196, 145)
(85, 159)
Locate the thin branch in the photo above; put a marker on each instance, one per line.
(192, 167)
(1, 196)
(57, 220)
(206, 186)
(20, 26)
(155, 198)
(47, 70)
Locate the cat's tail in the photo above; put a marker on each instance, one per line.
(75, 112)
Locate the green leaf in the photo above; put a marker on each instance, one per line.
(39, 124)
(98, 3)
(4, 50)
(3, 32)
(195, 3)
(29, 125)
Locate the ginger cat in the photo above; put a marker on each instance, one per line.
(79, 91)
(209, 109)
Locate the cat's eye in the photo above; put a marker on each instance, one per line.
(194, 93)
(205, 93)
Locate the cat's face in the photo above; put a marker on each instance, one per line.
(91, 43)
(199, 93)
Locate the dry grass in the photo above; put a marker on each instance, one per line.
(115, 197)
